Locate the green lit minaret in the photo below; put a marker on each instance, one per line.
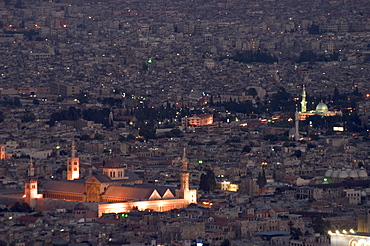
(304, 102)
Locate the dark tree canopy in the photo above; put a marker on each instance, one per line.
(21, 207)
(250, 56)
(246, 149)
(226, 242)
(28, 117)
(207, 181)
(252, 92)
(319, 225)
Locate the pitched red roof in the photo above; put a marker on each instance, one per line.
(28, 219)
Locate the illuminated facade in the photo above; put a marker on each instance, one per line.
(226, 185)
(2, 152)
(154, 205)
(200, 120)
(349, 239)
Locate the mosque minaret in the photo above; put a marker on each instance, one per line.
(73, 164)
(304, 101)
(30, 187)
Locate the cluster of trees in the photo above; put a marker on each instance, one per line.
(86, 137)
(250, 56)
(28, 117)
(245, 107)
(29, 34)
(147, 118)
(320, 225)
(111, 101)
(207, 181)
(21, 207)
(275, 137)
(11, 102)
(155, 114)
(312, 57)
(281, 101)
(96, 115)
(314, 29)
(246, 149)
(173, 133)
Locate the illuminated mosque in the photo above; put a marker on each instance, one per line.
(321, 109)
(109, 192)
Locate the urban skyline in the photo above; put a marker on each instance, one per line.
(210, 123)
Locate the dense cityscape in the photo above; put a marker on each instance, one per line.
(215, 123)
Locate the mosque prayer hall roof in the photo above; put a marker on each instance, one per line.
(65, 186)
(130, 193)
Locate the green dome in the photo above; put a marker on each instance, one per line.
(321, 108)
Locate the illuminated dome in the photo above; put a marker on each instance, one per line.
(321, 108)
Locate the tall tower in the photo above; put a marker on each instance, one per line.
(110, 117)
(304, 102)
(184, 173)
(296, 130)
(30, 187)
(2, 152)
(73, 164)
(190, 196)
